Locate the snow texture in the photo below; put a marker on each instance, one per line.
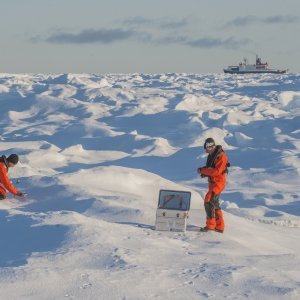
(96, 149)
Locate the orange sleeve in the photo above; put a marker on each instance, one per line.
(220, 166)
(5, 180)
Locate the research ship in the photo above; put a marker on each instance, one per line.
(258, 67)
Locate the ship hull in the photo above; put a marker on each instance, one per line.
(228, 71)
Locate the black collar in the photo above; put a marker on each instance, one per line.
(211, 157)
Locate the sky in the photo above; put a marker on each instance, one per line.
(140, 36)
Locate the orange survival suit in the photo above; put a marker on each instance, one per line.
(5, 183)
(215, 170)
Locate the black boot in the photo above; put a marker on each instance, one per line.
(205, 229)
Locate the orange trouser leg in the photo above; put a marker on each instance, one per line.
(219, 220)
(211, 223)
(209, 206)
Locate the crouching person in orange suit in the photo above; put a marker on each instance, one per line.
(5, 164)
(215, 170)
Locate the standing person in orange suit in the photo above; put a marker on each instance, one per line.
(5, 184)
(215, 170)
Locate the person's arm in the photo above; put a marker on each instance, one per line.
(220, 166)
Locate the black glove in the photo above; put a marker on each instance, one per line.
(20, 194)
(199, 171)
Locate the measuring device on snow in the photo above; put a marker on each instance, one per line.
(172, 210)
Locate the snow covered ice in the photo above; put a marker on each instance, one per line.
(95, 151)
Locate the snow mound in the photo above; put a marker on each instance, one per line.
(192, 103)
(289, 100)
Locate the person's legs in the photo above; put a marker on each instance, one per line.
(214, 215)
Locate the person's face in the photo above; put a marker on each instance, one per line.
(10, 164)
(210, 149)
